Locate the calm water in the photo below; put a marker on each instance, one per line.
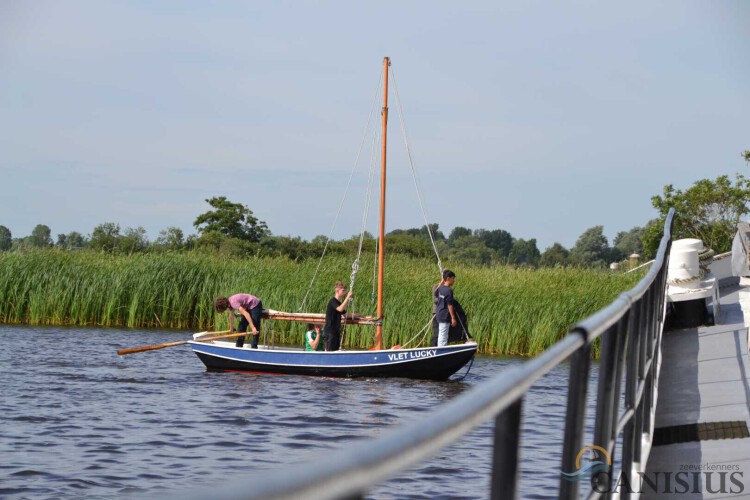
(78, 421)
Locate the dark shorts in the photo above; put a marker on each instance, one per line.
(332, 341)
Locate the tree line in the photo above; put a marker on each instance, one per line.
(709, 210)
(231, 229)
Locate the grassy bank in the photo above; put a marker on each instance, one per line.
(511, 311)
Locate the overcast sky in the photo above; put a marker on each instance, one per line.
(540, 118)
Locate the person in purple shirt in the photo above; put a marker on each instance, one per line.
(250, 308)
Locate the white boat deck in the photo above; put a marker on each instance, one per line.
(705, 379)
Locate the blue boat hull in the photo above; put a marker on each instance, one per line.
(428, 363)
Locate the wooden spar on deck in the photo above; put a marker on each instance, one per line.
(317, 318)
(381, 232)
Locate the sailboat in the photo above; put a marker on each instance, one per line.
(430, 363)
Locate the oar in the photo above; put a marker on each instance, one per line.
(131, 350)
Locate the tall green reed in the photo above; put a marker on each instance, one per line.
(511, 311)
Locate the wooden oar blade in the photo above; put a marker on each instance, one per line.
(131, 350)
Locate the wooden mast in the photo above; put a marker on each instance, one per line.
(381, 233)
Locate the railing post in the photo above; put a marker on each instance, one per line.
(623, 332)
(649, 328)
(505, 453)
(631, 439)
(575, 417)
(648, 352)
(659, 317)
(605, 401)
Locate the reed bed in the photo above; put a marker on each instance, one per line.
(511, 311)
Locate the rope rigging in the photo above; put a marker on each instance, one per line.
(355, 267)
(368, 200)
(343, 199)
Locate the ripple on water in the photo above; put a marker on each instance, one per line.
(226, 444)
(81, 483)
(152, 476)
(230, 395)
(27, 492)
(28, 473)
(37, 419)
(232, 421)
(132, 490)
(87, 424)
(182, 426)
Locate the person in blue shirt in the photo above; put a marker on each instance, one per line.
(444, 312)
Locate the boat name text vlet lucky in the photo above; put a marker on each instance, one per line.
(412, 355)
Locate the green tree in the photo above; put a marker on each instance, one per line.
(408, 245)
(458, 232)
(232, 220)
(437, 234)
(629, 242)
(133, 240)
(652, 234)
(497, 239)
(708, 210)
(524, 252)
(422, 231)
(215, 242)
(591, 248)
(6, 239)
(293, 247)
(471, 250)
(556, 255)
(105, 237)
(191, 242)
(171, 238)
(414, 231)
(318, 244)
(72, 240)
(41, 237)
(234, 247)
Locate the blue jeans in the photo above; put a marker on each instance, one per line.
(255, 315)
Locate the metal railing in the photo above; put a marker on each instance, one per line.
(630, 329)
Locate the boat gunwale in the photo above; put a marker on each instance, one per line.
(457, 349)
(300, 350)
